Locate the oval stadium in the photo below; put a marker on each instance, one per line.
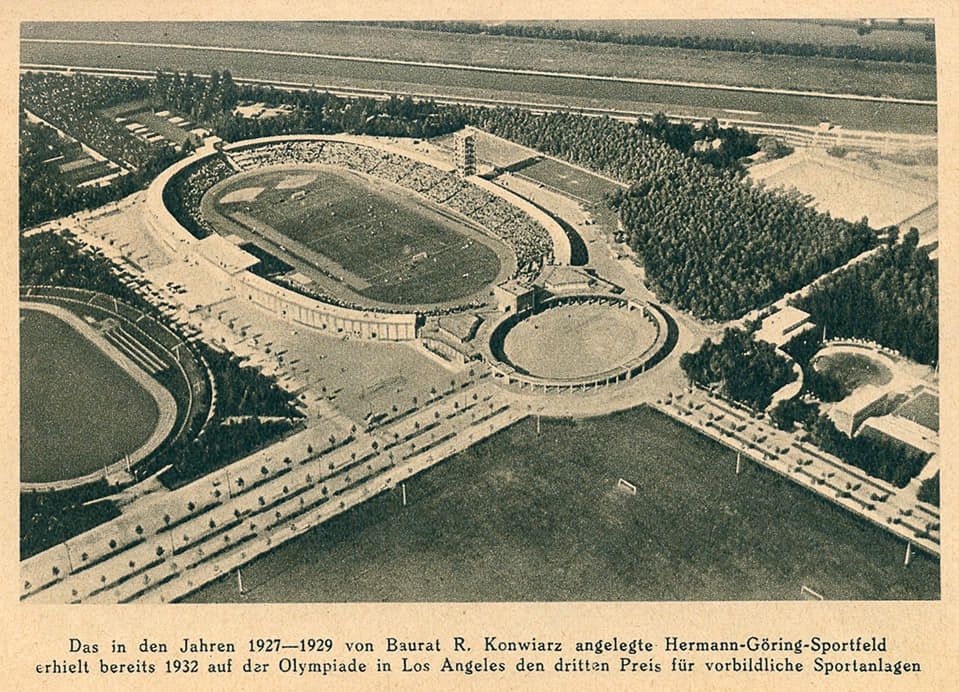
(578, 342)
(351, 229)
(86, 356)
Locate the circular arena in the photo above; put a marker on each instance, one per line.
(578, 343)
(104, 388)
(353, 235)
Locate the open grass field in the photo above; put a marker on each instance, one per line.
(547, 89)
(923, 409)
(526, 517)
(576, 340)
(819, 74)
(852, 370)
(383, 244)
(568, 179)
(78, 410)
(850, 189)
(823, 33)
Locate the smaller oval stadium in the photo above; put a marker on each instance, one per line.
(576, 342)
(103, 386)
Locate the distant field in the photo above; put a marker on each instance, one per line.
(78, 410)
(385, 245)
(848, 189)
(817, 74)
(826, 33)
(533, 517)
(566, 178)
(566, 91)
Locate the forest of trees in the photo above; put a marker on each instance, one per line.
(52, 259)
(320, 113)
(745, 370)
(621, 150)
(244, 391)
(72, 103)
(929, 490)
(45, 195)
(891, 298)
(910, 53)
(49, 518)
(203, 99)
(719, 247)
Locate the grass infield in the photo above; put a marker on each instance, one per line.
(78, 410)
(386, 245)
(569, 179)
(527, 517)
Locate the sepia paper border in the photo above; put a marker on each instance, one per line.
(922, 631)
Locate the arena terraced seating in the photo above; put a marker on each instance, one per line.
(529, 240)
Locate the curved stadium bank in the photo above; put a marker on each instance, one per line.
(537, 245)
(355, 321)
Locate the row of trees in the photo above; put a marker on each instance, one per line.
(744, 369)
(318, 112)
(905, 52)
(212, 100)
(891, 298)
(880, 457)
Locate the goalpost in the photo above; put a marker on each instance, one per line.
(808, 594)
(626, 486)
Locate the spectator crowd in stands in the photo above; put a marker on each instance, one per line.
(528, 239)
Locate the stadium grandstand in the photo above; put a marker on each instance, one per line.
(528, 239)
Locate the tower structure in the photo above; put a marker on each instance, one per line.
(465, 144)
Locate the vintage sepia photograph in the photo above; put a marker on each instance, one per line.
(479, 311)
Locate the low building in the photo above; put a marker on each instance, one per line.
(565, 279)
(224, 255)
(867, 401)
(514, 296)
(783, 326)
